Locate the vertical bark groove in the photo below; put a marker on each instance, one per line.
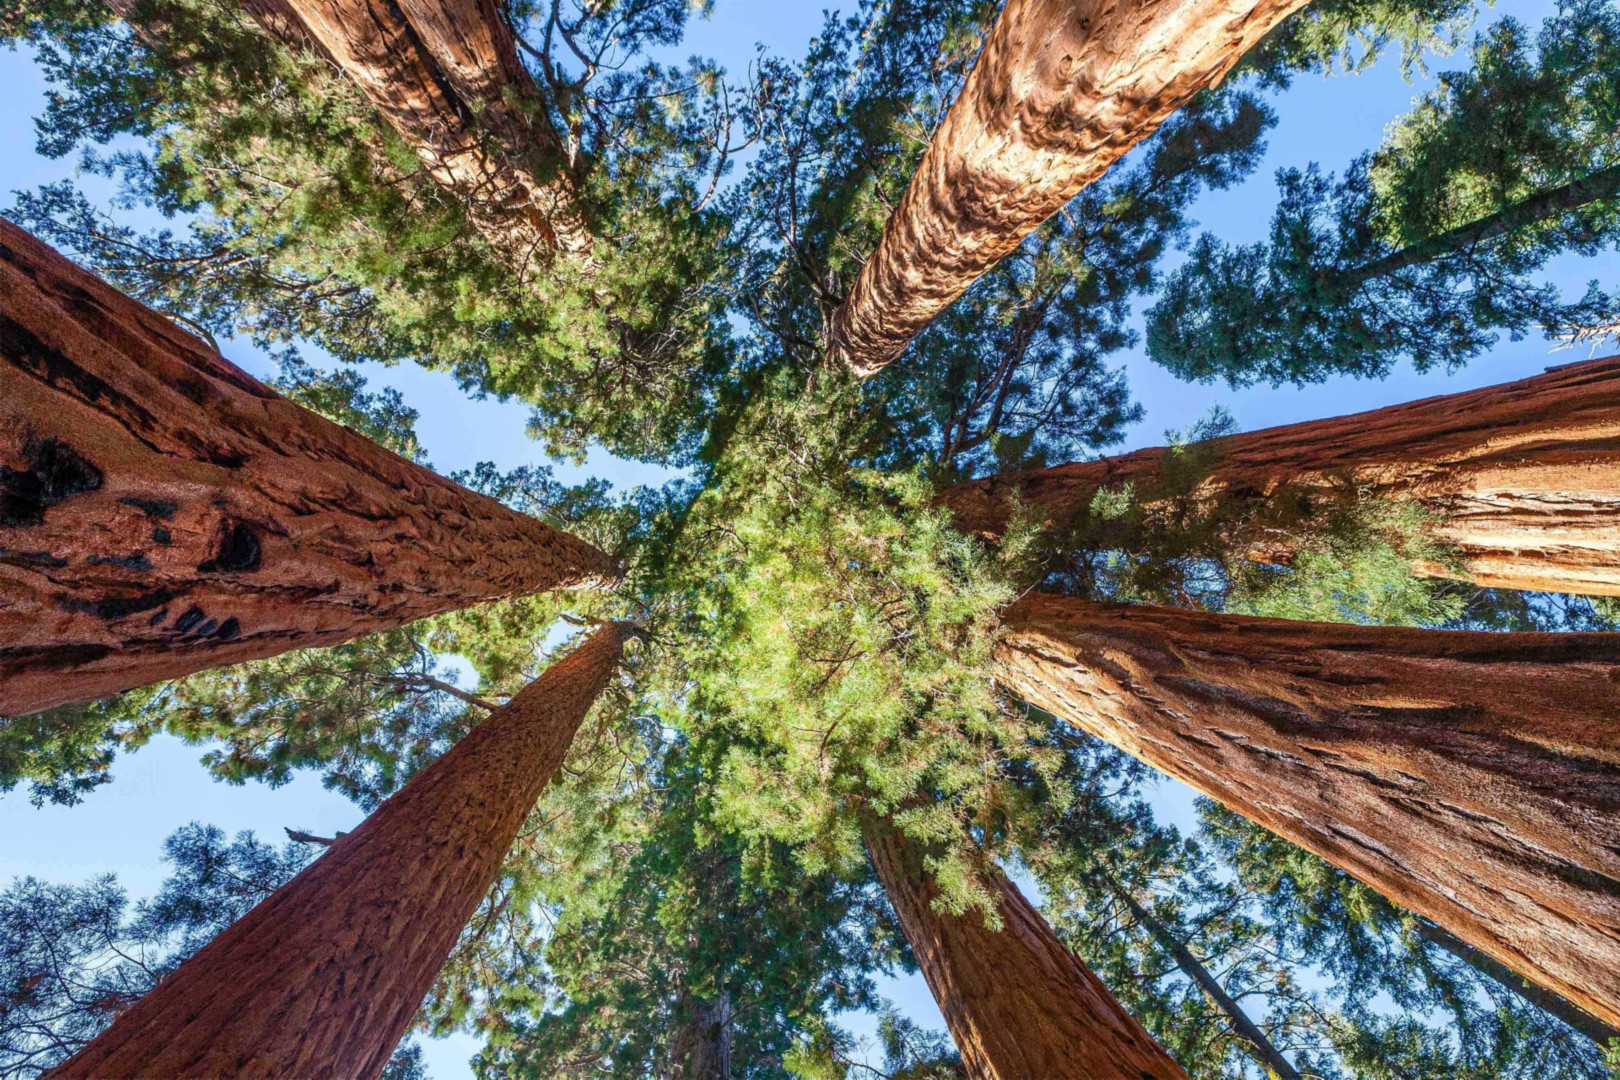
(1473, 778)
(1019, 1003)
(1061, 91)
(1523, 478)
(324, 976)
(162, 512)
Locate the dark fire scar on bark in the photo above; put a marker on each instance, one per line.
(52, 471)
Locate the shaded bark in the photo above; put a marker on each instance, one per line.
(701, 1047)
(324, 976)
(1018, 1002)
(1061, 91)
(446, 75)
(1247, 1031)
(1473, 778)
(1523, 478)
(162, 512)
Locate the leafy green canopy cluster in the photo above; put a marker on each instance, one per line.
(837, 631)
(1428, 247)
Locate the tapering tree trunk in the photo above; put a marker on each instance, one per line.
(1243, 1027)
(446, 75)
(1473, 778)
(1523, 479)
(324, 976)
(1018, 1002)
(701, 1047)
(162, 512)
(1599, 186)
(1542, 998)
(1061, 91)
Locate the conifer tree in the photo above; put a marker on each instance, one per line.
(1059, 93)
(1430, 765)
(1513, 481)
(1426, 248)
(170, 513)
(327, 973)
(1018, 1002)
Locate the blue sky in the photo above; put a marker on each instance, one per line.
(120, 827)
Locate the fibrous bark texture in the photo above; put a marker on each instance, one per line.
(1061, 91)
(701, 1047)
(446, 75)
(1523, 479)
(1018, 1002)
(162, 512)
(324, 976)
(1473, 778)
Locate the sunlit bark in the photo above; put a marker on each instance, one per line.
(1522, 479)
(1473, 778)
(324, 976)
(162, 512)
(1062, 89)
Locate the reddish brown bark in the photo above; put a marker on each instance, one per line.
(1523, 479)
(163, 512)
(1017, 1001)
(1473, 778)
(446, 75)
(324, 976)
(1061, 91)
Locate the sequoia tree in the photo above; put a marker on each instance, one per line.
(325, 975)
(1017, 1001)
(446, 75)
(162, 511)
(1470, 777)
(1060, 91)
(1519, 479)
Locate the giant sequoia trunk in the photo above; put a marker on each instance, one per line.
(324, 976)
(163, 512)
(1018, 1002)
(1061, 91)
(446, 75)
(1523, 479)
(1473, 778)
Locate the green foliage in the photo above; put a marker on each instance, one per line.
(839, 632)
(1356, 565)
(1427, 248)
(311, 221)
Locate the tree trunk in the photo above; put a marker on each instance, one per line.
(446, 75)
(1061, 91)
(701, 1047)
(324, 976)
(1473, 778)
(1523, 479)
(1018, 1002)
(1258, 1045)
(162, 512)
(1542, 998)
(1604, 184)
